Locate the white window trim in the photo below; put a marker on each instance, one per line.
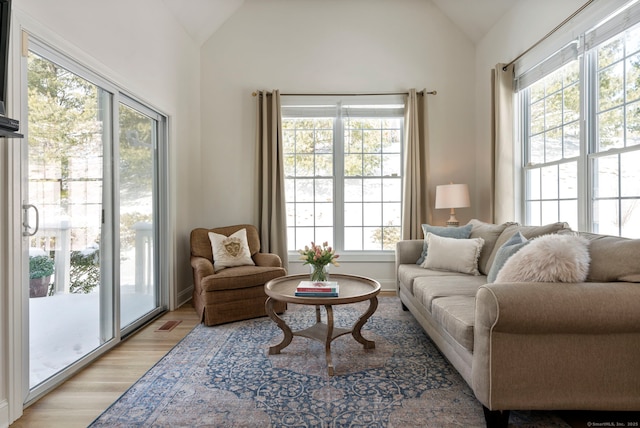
(329, 105)
(579, 37)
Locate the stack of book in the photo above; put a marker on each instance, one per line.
(317, 289)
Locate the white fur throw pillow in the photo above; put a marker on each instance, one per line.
(229, 251)
(451, 254)
(549, 258)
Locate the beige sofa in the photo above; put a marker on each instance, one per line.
(534, 346)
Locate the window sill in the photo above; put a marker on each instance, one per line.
(360, 257)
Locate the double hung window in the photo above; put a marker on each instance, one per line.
(343, 171)
(580, 128)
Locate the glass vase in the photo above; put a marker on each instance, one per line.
(319, 273)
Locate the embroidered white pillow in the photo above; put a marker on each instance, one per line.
(450, 254)
(549, 258)
(229, 251)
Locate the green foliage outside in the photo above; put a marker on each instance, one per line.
(85, 271)
(40, 266)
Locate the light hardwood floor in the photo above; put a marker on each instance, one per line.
(81, 399)
(78, 401)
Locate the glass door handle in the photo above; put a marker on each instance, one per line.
(25, 223)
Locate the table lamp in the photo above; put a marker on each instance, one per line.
(452, 196)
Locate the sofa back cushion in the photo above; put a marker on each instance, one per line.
(613, 258)
(489, 233)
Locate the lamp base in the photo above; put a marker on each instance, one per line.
(453, 221)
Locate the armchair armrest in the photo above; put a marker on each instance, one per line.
(201, 267)
(267, 260)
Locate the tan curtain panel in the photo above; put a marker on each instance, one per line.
(272, 214)
(415, 210)
(503, 183)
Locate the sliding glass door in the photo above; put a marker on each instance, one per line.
(69, 134)
(92, 216)
(137, 148)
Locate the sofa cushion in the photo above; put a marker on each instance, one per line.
(490, 233)
(528, 232)
(456, 315)
(509, 248)
(234, 278)
(613, 258)
(427, 289)
(408, 273)
(448, 232)
(549, 258)
(457, 255)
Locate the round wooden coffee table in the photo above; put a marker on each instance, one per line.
(353, 289)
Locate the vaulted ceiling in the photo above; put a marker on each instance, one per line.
(201, 18)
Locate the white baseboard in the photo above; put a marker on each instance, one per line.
(388, 285)
(4, 414)
(184, 296)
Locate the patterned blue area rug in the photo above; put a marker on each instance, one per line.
(222, 376)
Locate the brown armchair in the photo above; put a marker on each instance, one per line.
(234, 293)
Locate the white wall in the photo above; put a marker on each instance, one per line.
(140, 46)
(330, 46)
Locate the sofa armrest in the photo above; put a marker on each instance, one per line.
(557, 346)
(531, 308)
(408, 251)
(267, 259)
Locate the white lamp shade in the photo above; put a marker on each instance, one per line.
(452, 196)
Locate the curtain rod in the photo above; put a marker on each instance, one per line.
(356, 94)
(549, 33)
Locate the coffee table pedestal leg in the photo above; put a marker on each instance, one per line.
(288, 334)
(325, 333)
(357, 335)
